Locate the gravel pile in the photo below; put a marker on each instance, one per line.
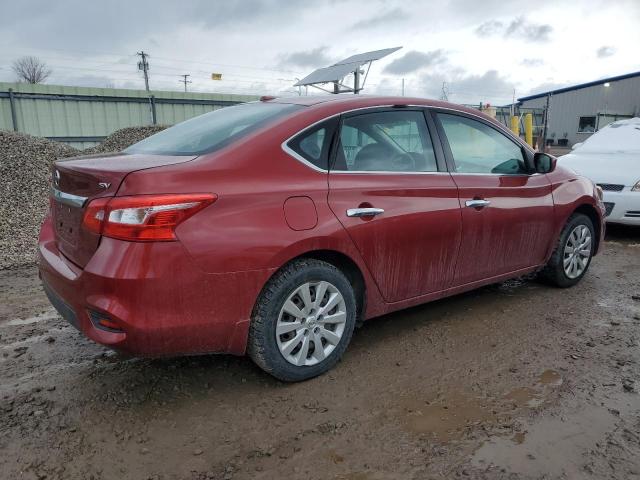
(25, 174)
(121, 139)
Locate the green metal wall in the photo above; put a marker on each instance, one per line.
(61, 112)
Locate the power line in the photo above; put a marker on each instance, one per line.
(158, 71)
(124, 55)
(226, 65)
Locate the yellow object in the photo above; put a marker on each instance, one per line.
(528, 128)
(515, 125)
(216, 76)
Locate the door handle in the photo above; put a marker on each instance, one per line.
(477, 203)
(364, 212)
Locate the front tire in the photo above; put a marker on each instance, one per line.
(302, 321)
(572, 256)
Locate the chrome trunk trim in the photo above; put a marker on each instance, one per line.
(68, 198)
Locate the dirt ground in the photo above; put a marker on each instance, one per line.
(512, 381)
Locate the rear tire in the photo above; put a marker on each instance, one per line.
(572, 256)
(303, 321)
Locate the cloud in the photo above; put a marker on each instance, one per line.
(66, 24)
(605, 51)
(414, 60)
(316, 57)
(544, 87)
(489, 28)
(519, 27)
(251, 41)
(382, 20)
(532, 62)
(489, 87)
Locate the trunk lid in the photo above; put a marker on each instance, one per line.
(79, 180)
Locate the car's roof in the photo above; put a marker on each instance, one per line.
(355, 101)
(344, 102)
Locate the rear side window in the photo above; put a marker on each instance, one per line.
(213, 130)
(314, 144)
(478, 148)
(393, 141)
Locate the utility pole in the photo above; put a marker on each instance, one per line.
(546, 124)
(185, 81)
(144, 66)
(403, 87)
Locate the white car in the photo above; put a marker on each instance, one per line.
(611, 158)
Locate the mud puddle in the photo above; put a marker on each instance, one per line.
(560, 442)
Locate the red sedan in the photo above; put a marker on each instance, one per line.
(271, 228)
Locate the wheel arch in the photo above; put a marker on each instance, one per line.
(345, 264)
(352, 271)
(591, 212)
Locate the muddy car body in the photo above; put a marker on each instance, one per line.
(272, 227)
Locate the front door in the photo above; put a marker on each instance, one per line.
(506, 211)
(399, 207)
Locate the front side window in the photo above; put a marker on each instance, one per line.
(587, 124)
(395, 141)
(213, 130)
(478, 148)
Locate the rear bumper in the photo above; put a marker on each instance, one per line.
(163, 303)
(624, 207)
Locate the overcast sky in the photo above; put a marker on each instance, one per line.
(482, 49)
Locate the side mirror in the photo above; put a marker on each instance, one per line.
(576, 145)
(544, 163)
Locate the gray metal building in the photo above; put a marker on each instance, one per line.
(576, 112)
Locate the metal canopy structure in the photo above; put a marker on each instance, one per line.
(338, 71)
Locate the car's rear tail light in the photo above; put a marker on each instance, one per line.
(94, 215)
(143, 217)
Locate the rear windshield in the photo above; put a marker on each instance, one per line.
(212, 130)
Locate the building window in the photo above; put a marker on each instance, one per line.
(587, 124)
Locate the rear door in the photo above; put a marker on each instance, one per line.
(507, 213)
(389, 188)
